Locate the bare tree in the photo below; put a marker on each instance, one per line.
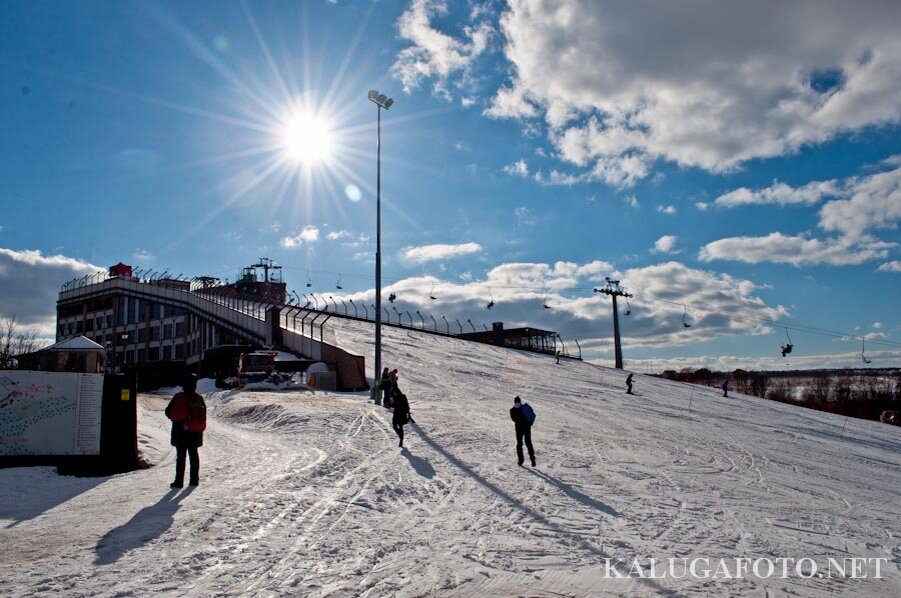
(14, 341)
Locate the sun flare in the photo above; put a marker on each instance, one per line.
(307, 138)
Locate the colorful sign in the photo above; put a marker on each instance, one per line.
(50, 413)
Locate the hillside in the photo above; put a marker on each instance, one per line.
(308, 494)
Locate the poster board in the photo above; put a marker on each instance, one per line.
(49, 413)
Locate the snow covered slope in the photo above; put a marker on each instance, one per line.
(308, 494)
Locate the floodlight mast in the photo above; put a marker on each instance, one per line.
(381, 101)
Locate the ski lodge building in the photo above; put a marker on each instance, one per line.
(159, 325)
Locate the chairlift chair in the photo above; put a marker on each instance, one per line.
(787, 348)
(392, 297)
(338, 284)
(685, 317)
(628, 308)
(490, 300)
(309, 280)
(432, 293)
(863, 348)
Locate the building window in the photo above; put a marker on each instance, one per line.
(141, 334)
(180, 351)
(154, 333)
(109, 321)
(167, 352)
(139, 356)
(167, 331)
(179, 329)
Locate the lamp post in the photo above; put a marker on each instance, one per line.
(381, 101)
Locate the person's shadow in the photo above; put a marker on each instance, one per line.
(147, 524)
(574, 494)
(420, 465)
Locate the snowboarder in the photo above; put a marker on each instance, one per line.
(725, 387)
(187, 411)
(523, 416)
(557, 356)
(401, 415)
(629, 383)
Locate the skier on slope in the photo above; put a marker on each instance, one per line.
(725, 387)
(401, 415)
(629, 383)
(523, 416)
(187, 411)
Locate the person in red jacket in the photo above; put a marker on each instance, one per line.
(187, 411)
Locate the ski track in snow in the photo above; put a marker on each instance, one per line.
(308, 494)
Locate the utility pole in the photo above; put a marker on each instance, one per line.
(614, 290)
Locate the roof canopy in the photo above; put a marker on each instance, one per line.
(77, 344)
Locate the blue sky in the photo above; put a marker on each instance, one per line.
(739, 165)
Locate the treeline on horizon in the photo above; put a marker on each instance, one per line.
(860, 393)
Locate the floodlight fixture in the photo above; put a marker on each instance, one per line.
(380, 99)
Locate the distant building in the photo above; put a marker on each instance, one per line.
(163, 323)
(527, 339)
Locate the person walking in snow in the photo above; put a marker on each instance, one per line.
(629, 383)
(725, 387)
(401, 415)
(523, 416)
(557, 356)
(187, 411)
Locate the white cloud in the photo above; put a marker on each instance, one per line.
(877, 325)
(702, 205)
(518, 168)
(892, 266)
(669, 210)
(718, 304)
(30, 283)
(781, 194)
(335, 235)
(875, 202)
(429, 253)
(142, 255)
(524, 216)
(632, 201)
(868, 202)
(468, 102)
(795, 250)
(308, 234)
(665, 244)
(623, 84)
(433, 53)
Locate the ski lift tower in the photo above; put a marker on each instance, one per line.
(615, 290)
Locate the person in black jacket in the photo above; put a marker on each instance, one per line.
(187, 411)
(523, 431)
(629, 383)
(401, 415)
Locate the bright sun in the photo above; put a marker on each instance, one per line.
(307, 138)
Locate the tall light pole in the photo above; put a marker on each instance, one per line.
(381, 101)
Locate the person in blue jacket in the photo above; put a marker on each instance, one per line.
(519, 413)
